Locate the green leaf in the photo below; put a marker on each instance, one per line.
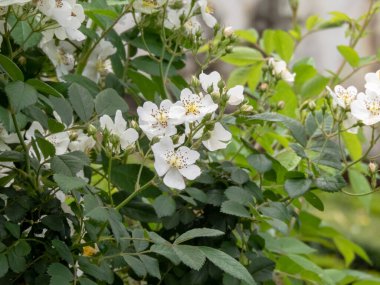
(60, 274)
(235, 209)
(69, 183)
(242, 56)
(24, 35)
(11, 68)
(20, 95)
(254, 76)
(284, 93)
(108, 102)
(250, 35)
(94, 208)
(3, 265)
(360, 185)
(195, 233)
(63, 109)
(239, 76)
(295, 127)
(353, 145)
(167, 251)
(139, 243)
(103, 272)
(82, 101)
(83, 81)
(284, 45)
(286, 245)
(314, 86)
(164, 206)
(239, 195)
(330, 183)
(151, 265)
(10, 155)
(349, 54)
(260, 162)
(191, 256)
(136, 265)
(44, 87)
(69, 164)
(63, 251)
(314, 201)
(297, 187)
(239, 176)
(227, 264)
(312, 21)
(268, 41)
(197, 194)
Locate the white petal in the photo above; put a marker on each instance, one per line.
(161, 166)
(359, 110)
(128, 137)
(174, 179)
(177, 114)
(120, 123)
(208, 80)
(163, 146)
(106, 123)
(235, 95)
(190, 172)
(190, 155)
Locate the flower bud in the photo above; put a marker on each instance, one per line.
(195, 82)
(246, 108)
(280, 105)
(372, 166)
(228, 31)
(221, 84)
(91, 129)
(312, 106)
(73, 135)
(114, 139)
(264, 86)
(89, 250)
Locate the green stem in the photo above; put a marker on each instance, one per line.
(109, 180)
(21, 139)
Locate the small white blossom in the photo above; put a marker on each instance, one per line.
(62, 56)
(280, 69)
(235, 95)
(148, 6)
(373, 81)
(191, 107)
(366, 107)
(175, 164)
(118, 128)
(13, 2)
(206, 11)
(155, 121)
(82, 142)
(343, 97)
(219, 138)
(98, 64)
(209, 81)
(5, 166)
(6, 138)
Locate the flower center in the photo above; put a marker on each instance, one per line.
(103, 67)
(162, 117)
(150, 3)
(373, 107)
(346, 97)
(59, 3)
(174, 159)
(65, 58)
(209, 9)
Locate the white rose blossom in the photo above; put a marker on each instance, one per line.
(118, 128)
(191, 107)
(206, 11)
(280, 69)
(373, 81)
(4, 3)
(343, 97)
(5, 166)
(82, 142)
(219, 138)
(154, 121)
(62, 56)
(148, 6)
(175, 164)
(366, 107)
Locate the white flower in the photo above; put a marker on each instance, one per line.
(373, 81)
(6, 138)
(350, 124)
(119, 129)
(191, 107)
(98, 64)
(155, 121)
(82, 142)
(148, 6)
(366, 107)
(206, 11)
(343, 97)
(5, 165)
(62, 56)
(175, 164)
(219, 138)
(279, 69)
(210, 81)
(235, 95)
(12, 2)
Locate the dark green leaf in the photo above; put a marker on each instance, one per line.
(151, 265)
(235, 209)
(191, 256)
(260, 162)
(63, 251)
(3, 265)
(60, 274)
(164, 206)
(69, 164)
(297, 187)
(69, 183)
(82, 101)
(195, 233)
(20, 95)
(108, 102)
(136, 265)
(11, 68)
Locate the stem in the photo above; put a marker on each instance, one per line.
(134, 194)
(109, 180)
(21, 139)
(360, 194)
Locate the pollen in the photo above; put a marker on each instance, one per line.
(161, 117)
(373, 107)
(176, 159)
(209, 9)
(150, 3)
(346, 97)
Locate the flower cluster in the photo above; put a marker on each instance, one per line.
(196, 111)
(362, 106)
(279, 69)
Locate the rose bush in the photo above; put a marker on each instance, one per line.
(115, 169)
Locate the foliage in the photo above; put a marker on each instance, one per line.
(211, 189)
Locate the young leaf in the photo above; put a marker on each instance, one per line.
(69, 183)
(60, 274)
(108, 102)
(349, 54)
(136, 265)
(11, 68)
(227, 264)
(195, 233)
(20, 95)
(242, 56)
(191, 256)
(82, 101)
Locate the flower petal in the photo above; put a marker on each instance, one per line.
(190, 172)
(174, 179)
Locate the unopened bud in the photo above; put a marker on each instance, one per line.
(312, 105)
(229, 49)
(264, 86)
(22, 60)
(73, 135)
(372, 167)
(210, 89)
(280, 105)
(134, 124)
(246, 108)
(221, 84)
(91, 130)
(215, 96)
(195, 82)
(114, 139)
(228, 31)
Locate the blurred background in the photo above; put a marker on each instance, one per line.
(357, 217)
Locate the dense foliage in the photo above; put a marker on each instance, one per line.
(115, 169)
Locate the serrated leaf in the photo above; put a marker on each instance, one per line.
(60, 274)
(235, 209)
(195, 233)
(63, 251)
(191, 256)
(167, 251)
(227, 264)
(260, 162)
(239, 176)
(239, 195)
(151, 265)
(330, 183)
(11, 68)
(136, 265)
(20, 95)
(3, 265)
(82, 101)
(297, 187)
(108, 101)
(69, 164)
(164, 206)
(69, 183)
